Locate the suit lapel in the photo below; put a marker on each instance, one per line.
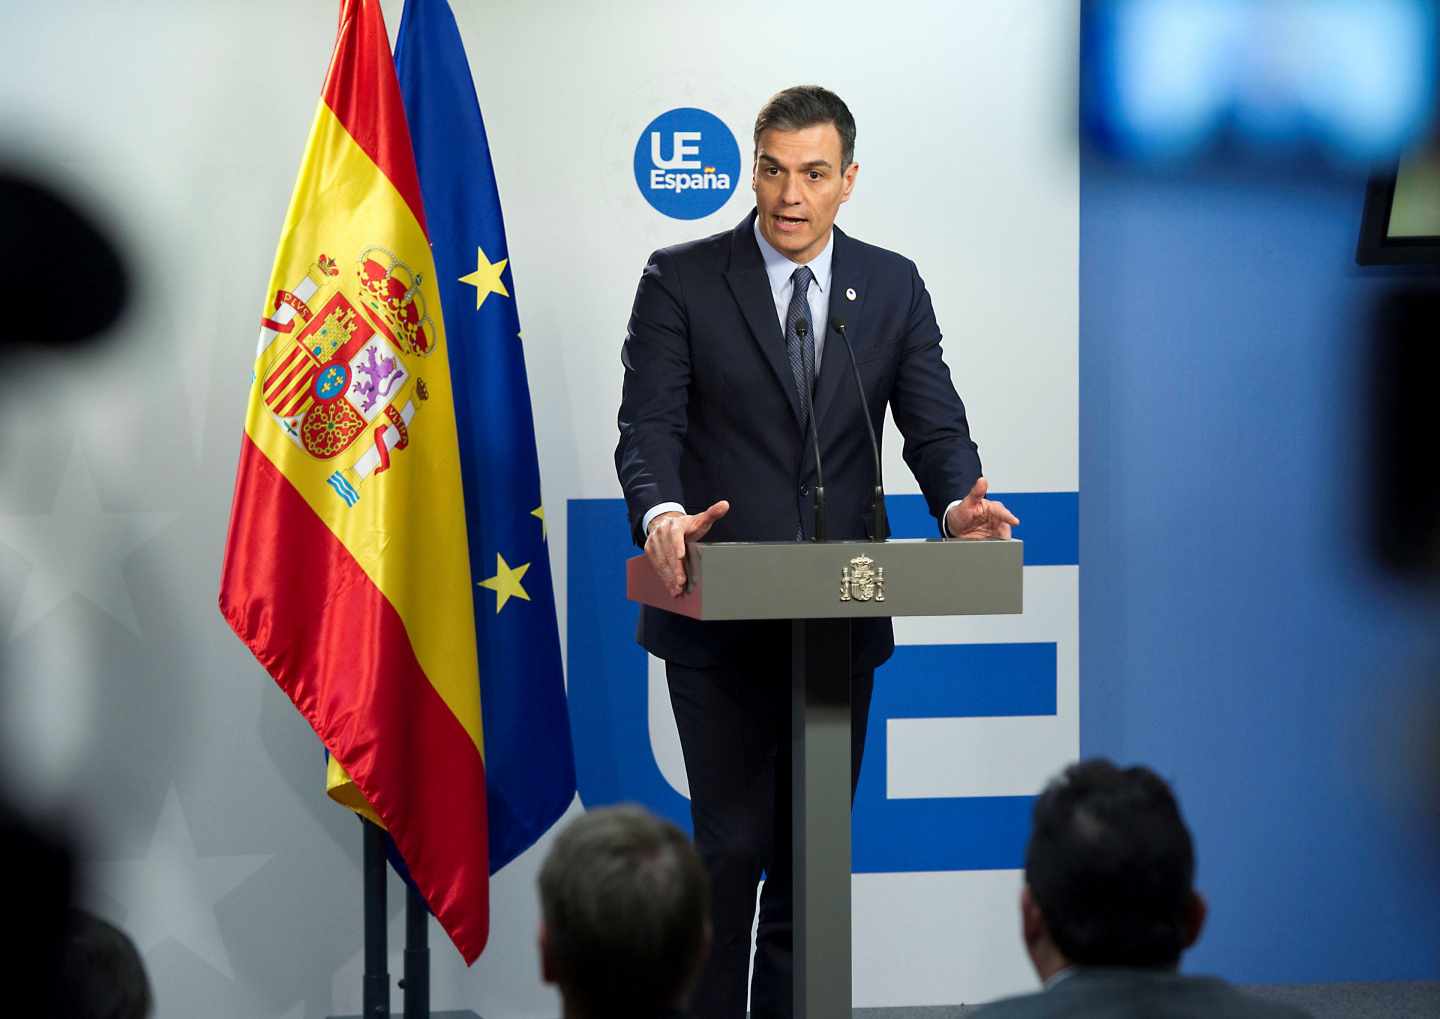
(751, 287)
(847, 276)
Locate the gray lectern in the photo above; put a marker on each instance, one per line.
(821, 586)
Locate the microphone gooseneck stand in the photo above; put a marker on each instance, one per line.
(802, 330)
(879, 525)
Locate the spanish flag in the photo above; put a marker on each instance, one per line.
(347, 566)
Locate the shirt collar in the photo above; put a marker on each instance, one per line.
(779, 268)
(1086, 973)
(1059, 977)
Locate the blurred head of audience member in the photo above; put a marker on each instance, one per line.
(625, 915)
(102, 973)
(1109, 873)
(81, 281)
(1110, 905)
(43, 896)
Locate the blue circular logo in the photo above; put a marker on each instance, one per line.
(687, 163)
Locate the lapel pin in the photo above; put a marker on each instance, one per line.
(850, 294)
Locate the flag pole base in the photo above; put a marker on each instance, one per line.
(464, 1014)
(376, 989)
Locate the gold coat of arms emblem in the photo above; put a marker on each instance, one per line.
(340, 385)
(862, 580)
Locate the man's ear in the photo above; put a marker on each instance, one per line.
(847, 182)
(547, 957)
(1196, 910)
(1032, 921)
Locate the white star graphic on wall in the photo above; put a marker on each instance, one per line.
(78, 548)
(171, 892)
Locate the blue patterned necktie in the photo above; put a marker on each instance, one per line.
(801, 352)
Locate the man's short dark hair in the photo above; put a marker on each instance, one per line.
(626, 905)
(805, 106)
(103, 975)
(1112, 867)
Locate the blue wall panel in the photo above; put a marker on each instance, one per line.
(1234, 634)
(948, 833)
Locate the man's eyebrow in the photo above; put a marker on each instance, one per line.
(813, 164)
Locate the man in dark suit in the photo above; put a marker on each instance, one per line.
(1109, 905)
(625, 916)
(732, 342)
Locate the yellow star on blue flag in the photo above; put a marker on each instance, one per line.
(506, 582)
(486, 277)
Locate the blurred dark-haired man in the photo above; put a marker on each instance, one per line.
(625, 916)
(1109, 905)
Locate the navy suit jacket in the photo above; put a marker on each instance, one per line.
(709, 412)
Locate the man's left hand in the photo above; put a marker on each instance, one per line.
(976, 518)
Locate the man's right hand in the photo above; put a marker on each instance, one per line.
(665, 544)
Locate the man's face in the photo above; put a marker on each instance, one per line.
(799, 188)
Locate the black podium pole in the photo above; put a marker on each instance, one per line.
(820, 799)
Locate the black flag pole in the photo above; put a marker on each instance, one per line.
(417, 956)
(375, 992)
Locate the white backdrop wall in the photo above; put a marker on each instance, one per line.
(128, 703)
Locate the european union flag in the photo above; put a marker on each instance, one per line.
(529, 760)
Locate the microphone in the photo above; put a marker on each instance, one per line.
(879, 526)
(802, 329)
